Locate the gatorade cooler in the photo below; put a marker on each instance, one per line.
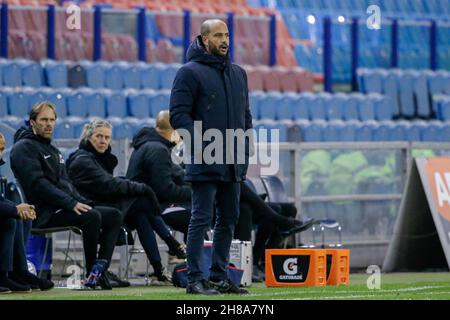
(295, 267)
(338, 266)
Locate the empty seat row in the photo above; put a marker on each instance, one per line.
(352, 131)
(411, 90)
(323, 106)
(85, 102)
(62, 74)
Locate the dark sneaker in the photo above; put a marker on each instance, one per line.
(14, 286)
(300, 226)
(115, 281)
(201, 287)
(227, 286)
(104, 283)
(21, 280)
(4, 290)
(33, 281)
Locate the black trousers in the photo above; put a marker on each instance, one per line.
(100, 225)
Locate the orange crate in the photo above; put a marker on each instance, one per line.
(295, 267)
(338, 266)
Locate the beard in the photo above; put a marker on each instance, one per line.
(215, 50)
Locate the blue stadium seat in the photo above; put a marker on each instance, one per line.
(18, 104)
(312, 132)
(373, 82)
(95, 73)
(331, 131)
(12, 74)
(114, 76)
(350, 107)
(59, 99)
(254, 99)
(269, 104)
(366, 108)
(397, 131)
(78, 125)
(431, 132)
(116, 104)
(76, 104)
(64, 130)
(167, 75)
(413, 132)
(159, 101)
(150, 77)
(348, 131)
(334, 107)
(383, 107)
(55, 74)
(381, 132)
(391, 88)
(444, 132)
(421, 95)
(443, 108)
(285, 109)
(300, 108)
(96, 104)
(36, 97)
(131, 77)
(121, 129)
(3, 104)
(139, 104)
(406, 94)
(316, 106)
(365, 131)
(32, 75)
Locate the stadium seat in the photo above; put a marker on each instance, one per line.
(116, 104)
(350, 108)
(150, 75)
(59, 99)
(365, 131)
(391, 88)
(18, 104)
(64, 130)
(77, 105)
(316, 105)
(421, 95)
(334, 107)
(268, 106)
(167, 75)
(12, 74)
(366, 108)
(382, 107)
(3, 104)
(95, 74)
(114, 76)
(55, 74)
(96, 104)
(255, 98)
(131, 77)
(405, 81)
(138, 104)
(159, 101)
(32, 75)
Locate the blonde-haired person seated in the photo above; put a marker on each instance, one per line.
(91, 170)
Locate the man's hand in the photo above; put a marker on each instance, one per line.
(26, 211)
(81, 207)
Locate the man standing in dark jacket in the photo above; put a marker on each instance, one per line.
(39, 168)
(213, 91)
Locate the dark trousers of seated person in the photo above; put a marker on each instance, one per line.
(267, 233)
(179, 220)
(142, 216)
(12, 245)
(100, 226)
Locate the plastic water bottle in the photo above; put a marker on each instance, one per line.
(96, 273)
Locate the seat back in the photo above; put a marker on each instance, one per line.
(275, 189)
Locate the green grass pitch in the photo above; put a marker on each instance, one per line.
(394, 286)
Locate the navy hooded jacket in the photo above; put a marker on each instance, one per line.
(212, 90)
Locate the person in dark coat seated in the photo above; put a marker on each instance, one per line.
(91, 170)
(14, 274)
(39, 168)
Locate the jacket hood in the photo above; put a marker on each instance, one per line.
(106, 159)
(149, 134)
(198, 53)
(27, 133)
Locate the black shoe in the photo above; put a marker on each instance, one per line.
(17, 278)
(227, 286)
(4, 290)
(14, 286)
(201, 287)
(104, 283)
(115, 281)
(33, 281)
(300, 226)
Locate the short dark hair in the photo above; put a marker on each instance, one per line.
(38, 107)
